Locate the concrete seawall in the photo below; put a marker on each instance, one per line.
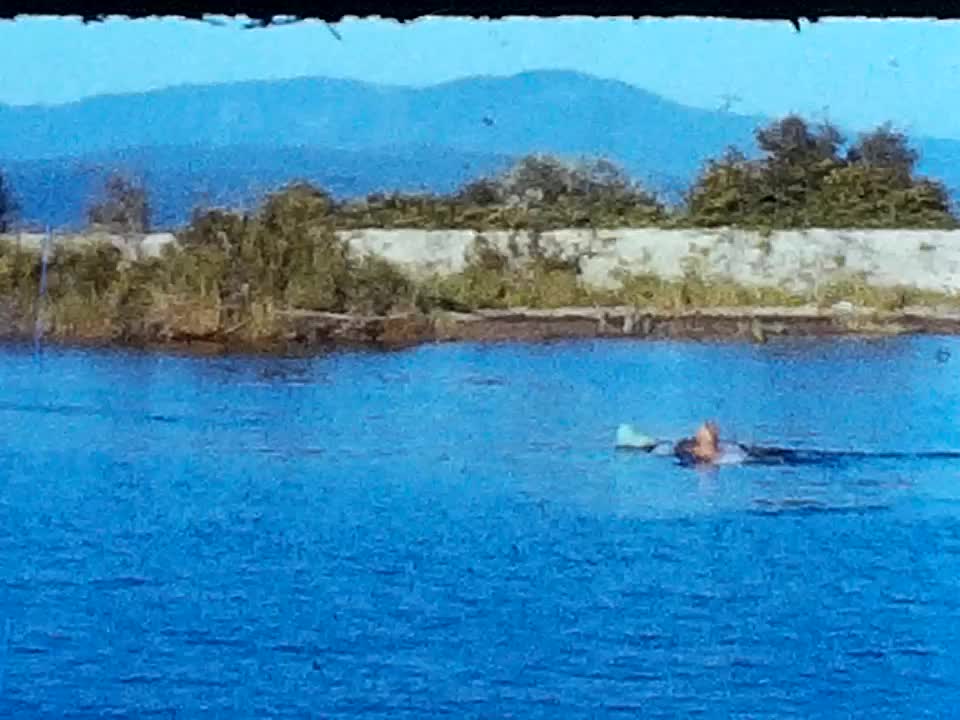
(795, 260)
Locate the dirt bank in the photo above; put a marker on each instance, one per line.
(305, 332)
(754, 325)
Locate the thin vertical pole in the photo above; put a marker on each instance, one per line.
(41, 299)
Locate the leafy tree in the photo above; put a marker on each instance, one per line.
(214, 228)
(861, 195)
(601, 178)
(728, 191)
(804, 179)
(295, 206)
(543, 179)
(798, 159)
(289, 251)
(542, 191)
(878, 188)
(124, 209)
(214, 239)
(790, 141)
(887, 149)
(536, 179)
(483, 192)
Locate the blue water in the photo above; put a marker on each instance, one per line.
(447, 531)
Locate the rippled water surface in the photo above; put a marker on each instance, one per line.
(448, 531)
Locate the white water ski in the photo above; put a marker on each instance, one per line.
(629, 437)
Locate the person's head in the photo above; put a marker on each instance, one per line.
(708, 439)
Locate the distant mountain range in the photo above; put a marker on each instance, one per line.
(227, 144)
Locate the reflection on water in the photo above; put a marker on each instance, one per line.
(449, 530)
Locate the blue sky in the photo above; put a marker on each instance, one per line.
(856, 72)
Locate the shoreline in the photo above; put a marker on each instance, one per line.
(306, 332)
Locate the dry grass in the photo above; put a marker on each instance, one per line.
(93, 295)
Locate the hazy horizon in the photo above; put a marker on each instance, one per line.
(857, 73)
(187, 84)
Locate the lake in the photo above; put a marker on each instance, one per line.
(448, 531)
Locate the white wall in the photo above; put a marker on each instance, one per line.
(796, 259)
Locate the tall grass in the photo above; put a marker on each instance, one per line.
(205, 290)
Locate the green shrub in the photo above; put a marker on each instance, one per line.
(378, 287)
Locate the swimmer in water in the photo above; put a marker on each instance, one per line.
(704, 447)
